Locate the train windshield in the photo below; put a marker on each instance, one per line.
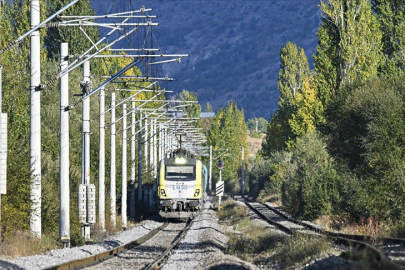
(180, 172)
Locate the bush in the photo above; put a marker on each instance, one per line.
(309, 190)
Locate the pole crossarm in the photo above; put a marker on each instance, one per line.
(75, 63)
(141, 78)
(151, 99)
(112, 25)
(226, 150)
(36, 28)
(135, 50)
(138, 56)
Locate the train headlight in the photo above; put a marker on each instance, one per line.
(163, 192)
(197, 192)
(180, 160)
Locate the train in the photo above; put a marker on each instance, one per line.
(181, 186)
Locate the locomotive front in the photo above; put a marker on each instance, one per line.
(181, 187)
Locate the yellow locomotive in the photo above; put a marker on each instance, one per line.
(182, 184)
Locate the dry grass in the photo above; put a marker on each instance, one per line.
(255, 144)
(20, 244)
(275, 199)
(98, 234)
(298, 249)
(369, 226)
(252, 242)
(230, 211)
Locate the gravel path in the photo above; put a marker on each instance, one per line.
(57, 257)
(203, 246)
(143, 255)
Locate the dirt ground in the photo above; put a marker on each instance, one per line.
(255, 144)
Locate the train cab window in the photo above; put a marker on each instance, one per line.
(180, 172)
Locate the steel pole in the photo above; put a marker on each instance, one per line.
(132, 181)
(140, 160)
(155, 148)
(146, 143)
(124, 169)
(101, 164)
(160, 142)
(112, 162)
(86, 138)
(243, 170)
(210, 180)
(151, 147)
(35, 123)
(1, 138)
(64, 199)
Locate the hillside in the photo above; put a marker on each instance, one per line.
(234, 45)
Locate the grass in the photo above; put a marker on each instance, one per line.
(275, 199)
(252, 242)
(298, 249)
(20, 244)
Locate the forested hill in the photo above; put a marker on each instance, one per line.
(234, 45)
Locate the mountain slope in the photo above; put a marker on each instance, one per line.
(234, 45)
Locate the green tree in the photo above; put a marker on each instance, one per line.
(208, 107)
(349, 45)
(391, 18)
(300, 110)
(294, 70)
(78, 42)
(229, 132)
(194, 110)
(366, 130)
(15, 18)
(261, 124)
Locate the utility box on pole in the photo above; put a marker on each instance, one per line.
(3, 153)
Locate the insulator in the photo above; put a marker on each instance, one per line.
(53, 24)
(82, 202)
(9, 46)
(91, 204)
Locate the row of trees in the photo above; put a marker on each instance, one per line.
(336, 143)
(15, 206)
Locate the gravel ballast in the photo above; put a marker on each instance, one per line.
(203, 246)
(60, 256)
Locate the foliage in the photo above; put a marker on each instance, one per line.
(78, 42)
(208, 107)
(307, 178)
(390, 15)
(261, 124)
(368, 136)
(349, 45)
(229, 132)
(300, 110)
(194, 110)
(15, 95)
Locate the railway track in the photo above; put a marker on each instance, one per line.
(148, 252)
(384, 251)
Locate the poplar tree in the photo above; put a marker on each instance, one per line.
(229, 131)
(349, 45)
(391, 18)
(300, 110)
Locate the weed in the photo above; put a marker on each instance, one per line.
(275, 199)
(299, 248)
(21, 243)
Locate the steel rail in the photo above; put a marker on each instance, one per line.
(162, 258)
(382, 240)
(95, 259)
(338, 238)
